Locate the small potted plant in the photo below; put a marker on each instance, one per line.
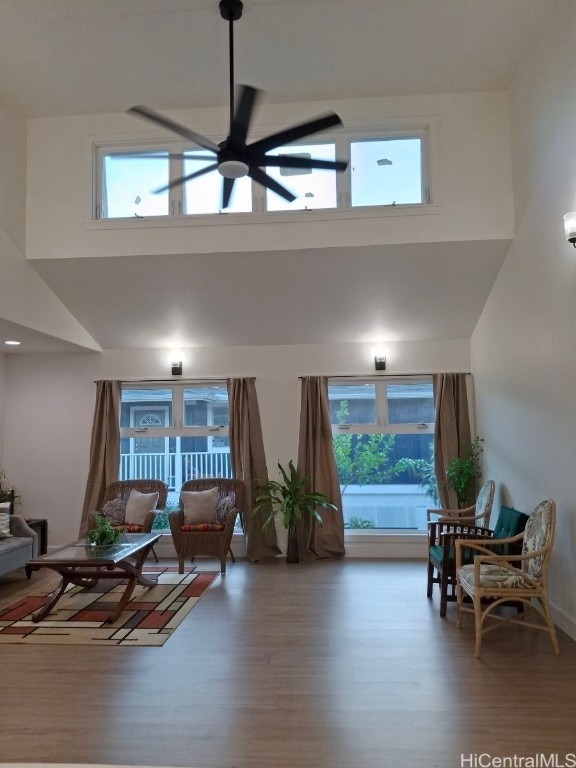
(291, 498)
(103, 534)
(7, 494)
(463, 474)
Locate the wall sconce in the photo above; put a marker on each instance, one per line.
(380, 363)
(570, 227)
(177, 368)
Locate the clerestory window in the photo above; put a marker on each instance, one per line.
(385, 169)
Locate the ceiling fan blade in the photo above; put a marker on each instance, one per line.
(293, 134)
(181, 130)
(291, 161)
(227, 191)
(184, 179)
(267, 181)
(241, 121)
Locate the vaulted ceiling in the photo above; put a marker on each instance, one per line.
(75, 57)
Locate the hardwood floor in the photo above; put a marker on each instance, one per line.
(341, 664)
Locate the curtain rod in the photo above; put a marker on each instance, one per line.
(174, 380)
(379, 375)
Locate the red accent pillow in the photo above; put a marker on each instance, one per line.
(188, 528)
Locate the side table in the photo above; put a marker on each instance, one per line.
(40, 526)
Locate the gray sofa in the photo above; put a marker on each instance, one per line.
(17, 549)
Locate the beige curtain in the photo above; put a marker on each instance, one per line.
(316, 461)
(104, 448)
(249, 464)
(452, 437)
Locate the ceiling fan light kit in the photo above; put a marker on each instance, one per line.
(234, 158)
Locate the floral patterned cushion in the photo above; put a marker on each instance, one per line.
(494, 577)
(536, 535)
(226, 505)
(115, 511)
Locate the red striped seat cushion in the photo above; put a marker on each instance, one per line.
(188, 528)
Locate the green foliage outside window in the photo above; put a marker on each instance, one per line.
(362, 459)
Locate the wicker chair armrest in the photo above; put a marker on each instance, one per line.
(175, 521)
(231, 519)
(450, 513)
(493, 542)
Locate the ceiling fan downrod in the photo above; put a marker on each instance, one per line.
(231, 11)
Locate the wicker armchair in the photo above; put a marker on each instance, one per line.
(502, 579)
(189, 544)
(121, 490)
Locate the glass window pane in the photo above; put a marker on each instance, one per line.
(204, 194)
(146, 458)
(386, 171)
(206, 406)
(352, 403)
(313, 188)
(128, 181)
(146, 408)
(387, 481)
(410, 403)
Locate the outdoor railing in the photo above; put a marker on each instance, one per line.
(174, 468)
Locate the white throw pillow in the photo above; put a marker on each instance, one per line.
(5, 524)
(199, 506)
(138, 506)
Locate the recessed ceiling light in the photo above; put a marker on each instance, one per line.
(12, 343)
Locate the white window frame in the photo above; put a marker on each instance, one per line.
(425, 130)
(382, 426)
(176, 427)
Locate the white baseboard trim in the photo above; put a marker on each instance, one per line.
(563, 621)
(362, 546)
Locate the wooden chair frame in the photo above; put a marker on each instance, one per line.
(442, 571)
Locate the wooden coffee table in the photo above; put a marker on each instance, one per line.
(84, 566)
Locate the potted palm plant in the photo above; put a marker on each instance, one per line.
(463, 474)
(291, 498)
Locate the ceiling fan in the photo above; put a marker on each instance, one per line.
(233, 157)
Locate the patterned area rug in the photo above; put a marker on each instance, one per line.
(78, 618)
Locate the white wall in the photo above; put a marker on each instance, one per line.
(51, 401)
(472, 183)
(24, 297)
(523, 350)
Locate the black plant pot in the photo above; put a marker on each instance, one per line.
(292, 550)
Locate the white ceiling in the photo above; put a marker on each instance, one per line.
(66, 57)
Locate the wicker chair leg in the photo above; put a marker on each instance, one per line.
(155, 555)
(232, 555)
(223, 565)
(180, 564)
